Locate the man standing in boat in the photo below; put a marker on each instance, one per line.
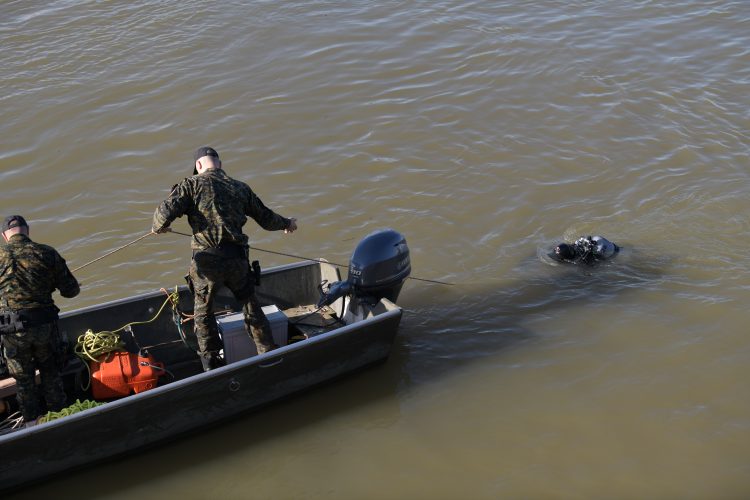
(29, 273)
(217, 207)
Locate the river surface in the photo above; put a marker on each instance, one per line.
(484, 131)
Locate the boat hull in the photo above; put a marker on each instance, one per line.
(163, 413)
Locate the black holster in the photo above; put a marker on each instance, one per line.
(10, 322)
(256, 272)
(189, 282)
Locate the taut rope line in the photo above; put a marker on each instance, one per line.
(113, 251)
(321, 261)
(254, 248)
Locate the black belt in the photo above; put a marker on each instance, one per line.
(38, 316)
(15, 321)
(226, 250)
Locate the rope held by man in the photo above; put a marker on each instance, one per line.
(114, 251)
(170, 230)
(321, 261)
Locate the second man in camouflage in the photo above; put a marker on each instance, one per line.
(217, 206)
(29, 273)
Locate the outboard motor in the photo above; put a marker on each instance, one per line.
(377, 269)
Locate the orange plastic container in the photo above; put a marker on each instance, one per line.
(119, 373)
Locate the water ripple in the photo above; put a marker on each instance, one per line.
(485, 132)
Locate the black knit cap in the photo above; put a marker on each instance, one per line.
(14, 221)
(200, 153)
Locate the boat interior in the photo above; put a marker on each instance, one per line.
(158, 345)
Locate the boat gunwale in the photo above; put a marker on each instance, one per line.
(155, 293)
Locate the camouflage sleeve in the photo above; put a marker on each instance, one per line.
(264, 216)
(65, 281)
(174, 206)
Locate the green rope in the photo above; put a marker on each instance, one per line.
(76, 407)
(91, 346)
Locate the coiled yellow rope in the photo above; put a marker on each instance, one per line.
(91, 346)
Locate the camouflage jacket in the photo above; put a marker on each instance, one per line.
(30, 272)
(217, 207)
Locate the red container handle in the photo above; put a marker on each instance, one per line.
(156, 364)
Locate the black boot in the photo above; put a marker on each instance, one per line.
(211, 360)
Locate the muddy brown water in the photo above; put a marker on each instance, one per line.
(484, 132)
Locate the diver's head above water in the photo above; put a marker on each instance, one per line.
(586, 249)
(563, 251)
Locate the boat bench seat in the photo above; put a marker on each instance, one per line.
(8, 386)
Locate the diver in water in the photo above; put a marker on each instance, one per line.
(587, 250)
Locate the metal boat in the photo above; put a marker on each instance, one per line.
(326, 327)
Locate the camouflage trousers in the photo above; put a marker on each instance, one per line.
(28, 351)
(210, 272)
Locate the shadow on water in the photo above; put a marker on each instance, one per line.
(203, 450)
(444, 329)
(447, 328)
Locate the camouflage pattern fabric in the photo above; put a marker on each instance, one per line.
(27, 351)
(29, 273)
(208, 273)
(217, 207)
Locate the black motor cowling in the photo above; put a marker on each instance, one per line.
(380, 264)
(377, 269)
